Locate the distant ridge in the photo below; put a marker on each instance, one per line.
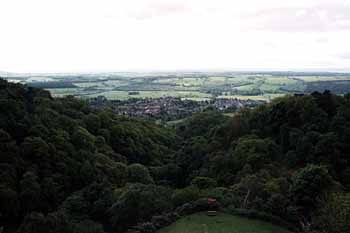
(180, 72)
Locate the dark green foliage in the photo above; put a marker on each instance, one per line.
(35, 148)
(86, 226)
(139, 174)
(308, 184)
(192, 157)
(201, 124)
(333, 215)
(9, 203)
(139, 203)
(57, 222)
(185, 195)
(92, 123)
(35, 222)
(55, 154)
(203, 182)
(141, 142)
(281, 159)
(117, 172)
(30, 192)
(82, 139)
(255, 152)
(169, 174)
(87, 173)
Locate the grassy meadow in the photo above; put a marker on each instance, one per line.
(222, 223)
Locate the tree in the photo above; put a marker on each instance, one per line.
(9, 204)
(52, 193)
(333, 213)
(308, 184)
(250, 189)
(39, 131)
(92, 123)
(30, 192)
(139, 174)
(87, 173)
(35, 147)
(203, 182)
(192, 156)
(255, 152)
(34, 222)
(86, 226)
(188, 194)
(37, 222)
(138, 203)
(82, 139)
(119, 174)
(100, 197)
(4, 136)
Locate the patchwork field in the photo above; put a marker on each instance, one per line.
(222, 223)
(123, 95)
(195, 86)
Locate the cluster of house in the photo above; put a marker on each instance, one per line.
(168, 107)
(233, 104)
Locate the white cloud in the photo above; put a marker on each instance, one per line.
(97, 35)
(345, 55)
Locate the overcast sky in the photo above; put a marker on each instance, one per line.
(119, 35)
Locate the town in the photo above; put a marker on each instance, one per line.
(169, 108)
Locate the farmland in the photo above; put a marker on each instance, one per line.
(195, 86)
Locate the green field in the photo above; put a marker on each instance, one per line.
(123, 95)
(60, 92)
(205, 87)
(320, 79)
(222, 223)
(265, 97)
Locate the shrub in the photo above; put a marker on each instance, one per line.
(203, 182)
(182, 196)
(139, 174)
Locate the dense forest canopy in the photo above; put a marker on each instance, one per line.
(65, 167)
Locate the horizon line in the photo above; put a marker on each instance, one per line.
(311, 70)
